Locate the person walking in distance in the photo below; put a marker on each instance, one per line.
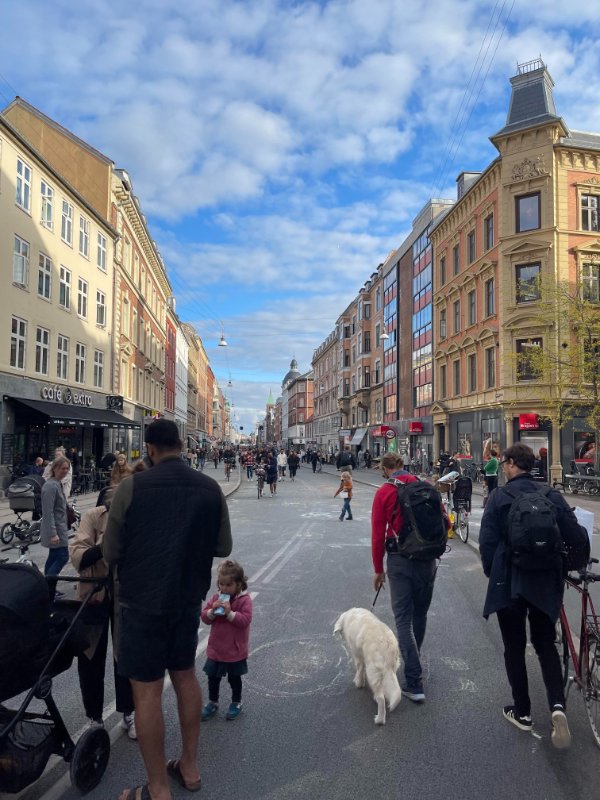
(164, 528)
(282, 462)
(491, 474)
(54, 527)
(293, 462)
(229, 614)
(528, 585)
(410, 579)
(345, 490)
(345, 460)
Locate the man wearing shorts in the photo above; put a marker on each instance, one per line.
(165, 526)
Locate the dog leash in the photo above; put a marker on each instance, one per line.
(377, 595)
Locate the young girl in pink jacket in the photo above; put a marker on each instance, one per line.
(229, 613)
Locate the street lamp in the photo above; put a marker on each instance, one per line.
(222, 342)
(384, 336)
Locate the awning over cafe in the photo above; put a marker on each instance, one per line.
(61, 414)
(359, 435)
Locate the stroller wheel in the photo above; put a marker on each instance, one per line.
(7, 533)
(90, 759)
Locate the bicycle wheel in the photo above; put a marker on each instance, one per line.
(7, 533)
(591, 681)
(463, 524)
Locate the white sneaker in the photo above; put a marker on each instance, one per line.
(561, 735)
(128, 724)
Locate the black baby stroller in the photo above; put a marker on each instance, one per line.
(38, 640)
(24, 494)
(462, 493)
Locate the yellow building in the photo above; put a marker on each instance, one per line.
(56, 311)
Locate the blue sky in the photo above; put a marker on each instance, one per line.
(281, 149)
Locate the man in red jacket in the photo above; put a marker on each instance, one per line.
(410, 580)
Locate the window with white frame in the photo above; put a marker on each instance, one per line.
(64, 290)
(23, 196)
(45, 277)
(98, 369)
(82, 297)
(62, 357)
(42, 350)
(66, 223)
(590, 282)
(101, 252)
(47, 195)
(80, 363)
(20, 261)
(100, 308)
(84, 237)
(18, 343)
(589, 212)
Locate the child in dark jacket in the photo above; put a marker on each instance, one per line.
(229, 613)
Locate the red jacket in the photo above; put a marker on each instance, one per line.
(228, 639)
(385, 512)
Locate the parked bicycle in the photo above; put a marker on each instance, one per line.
(581, 665)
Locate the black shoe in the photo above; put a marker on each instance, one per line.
(524, 722)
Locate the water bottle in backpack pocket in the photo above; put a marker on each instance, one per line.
(534, 539)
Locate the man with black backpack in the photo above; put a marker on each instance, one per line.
(408, 523)
(525, 530)
(345, 460)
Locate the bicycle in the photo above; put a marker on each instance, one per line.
(227, 470)
(19, 528)
(23, 548)
(585, 660)
(461, 519)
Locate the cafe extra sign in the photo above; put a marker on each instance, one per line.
(57, 394)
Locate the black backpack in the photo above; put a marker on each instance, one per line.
(534, 539)
(345, 459)
(424, 532)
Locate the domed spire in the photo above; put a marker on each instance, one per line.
(293, 373)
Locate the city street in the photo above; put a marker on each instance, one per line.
(305, 731)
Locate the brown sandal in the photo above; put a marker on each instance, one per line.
(174, 771)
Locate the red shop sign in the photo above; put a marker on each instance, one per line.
(383, 431)
(529, 422)
(415, 427)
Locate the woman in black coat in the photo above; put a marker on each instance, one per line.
(272, 474)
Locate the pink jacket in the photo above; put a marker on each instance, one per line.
(228, 639)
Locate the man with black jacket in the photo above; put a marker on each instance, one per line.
(345, 460)
(516, 594)
(164, 527)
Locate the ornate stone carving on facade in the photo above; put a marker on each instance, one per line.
(529, 168)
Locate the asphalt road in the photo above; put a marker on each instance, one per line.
(305, 731)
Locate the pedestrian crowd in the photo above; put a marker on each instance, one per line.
(154, 587)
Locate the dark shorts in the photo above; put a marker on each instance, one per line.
(218, 669)
(149, 645)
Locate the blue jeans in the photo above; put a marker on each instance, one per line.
(346, 509)
(411, 588)
(57, 558)
(249, 471)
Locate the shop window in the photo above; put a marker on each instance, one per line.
(465, 439)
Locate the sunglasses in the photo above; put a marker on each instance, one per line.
(504, 461)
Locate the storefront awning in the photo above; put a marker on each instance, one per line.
(358, 436)
(59, 414)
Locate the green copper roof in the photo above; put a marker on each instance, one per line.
(270, 401)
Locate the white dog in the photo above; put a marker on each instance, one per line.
(374, 650)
